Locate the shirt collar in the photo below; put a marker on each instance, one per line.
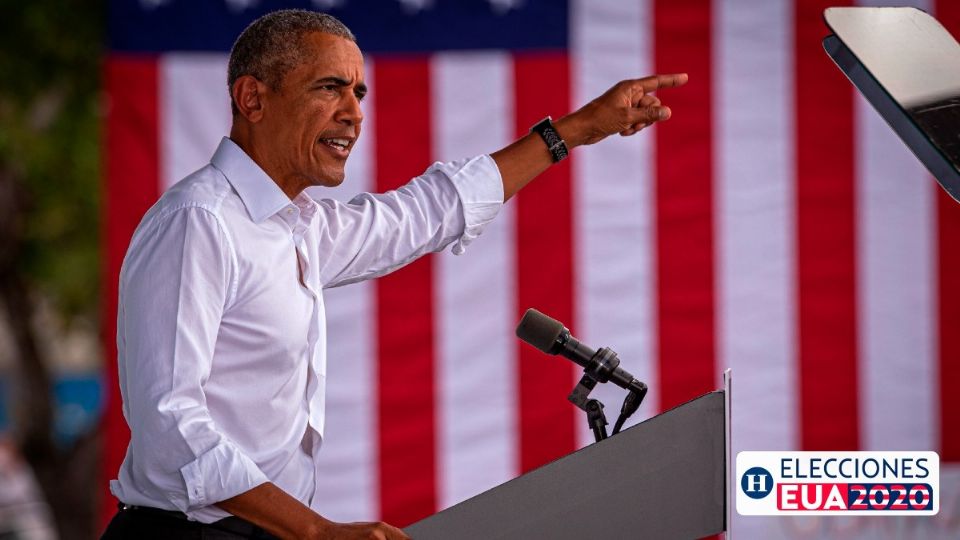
(259, 193)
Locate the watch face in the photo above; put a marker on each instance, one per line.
(543, 124)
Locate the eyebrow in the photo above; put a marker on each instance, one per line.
(361, 88)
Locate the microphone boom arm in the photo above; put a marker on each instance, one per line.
(594, 409)
(604, 365)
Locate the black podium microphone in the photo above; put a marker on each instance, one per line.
(550, 336)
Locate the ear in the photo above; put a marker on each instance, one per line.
(248, 97)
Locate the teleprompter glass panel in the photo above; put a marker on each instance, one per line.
(908, 66)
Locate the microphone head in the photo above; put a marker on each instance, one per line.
(539, 330)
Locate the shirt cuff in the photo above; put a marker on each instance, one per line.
(480, 188)
(218, 474)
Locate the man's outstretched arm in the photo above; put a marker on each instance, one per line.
(626, 108)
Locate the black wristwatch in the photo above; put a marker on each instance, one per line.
(558, 148)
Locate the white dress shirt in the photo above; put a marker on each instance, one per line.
(221, 328)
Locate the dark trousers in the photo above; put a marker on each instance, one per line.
(151, 523)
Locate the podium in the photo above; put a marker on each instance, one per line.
(663, 478)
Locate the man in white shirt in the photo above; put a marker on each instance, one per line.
(221, 329)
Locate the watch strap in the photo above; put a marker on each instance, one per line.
(556, 145)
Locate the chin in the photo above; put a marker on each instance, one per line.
(329, 179)
(335, 181)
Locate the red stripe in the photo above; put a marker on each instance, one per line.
(407, 424)
(826, 271)
(132, 159)
(544, 266)
(684, 205)
(948, 268)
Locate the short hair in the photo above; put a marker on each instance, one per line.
(273, 45)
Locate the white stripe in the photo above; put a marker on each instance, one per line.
(946, 524)
(347, 465)
(895, 257)
(194, 112)
(753, 59)
(613, 235)
(755, 164)
(475, 293)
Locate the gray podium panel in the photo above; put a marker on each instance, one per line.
(663, 478)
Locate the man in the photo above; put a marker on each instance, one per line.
(221, 331)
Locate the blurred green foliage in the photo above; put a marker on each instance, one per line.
(50, 135)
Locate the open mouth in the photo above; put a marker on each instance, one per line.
(342, 146)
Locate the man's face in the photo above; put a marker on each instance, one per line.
(313, 120)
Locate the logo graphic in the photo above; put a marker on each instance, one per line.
(838, 483)
(756, 483)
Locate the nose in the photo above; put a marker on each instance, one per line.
(350, 112)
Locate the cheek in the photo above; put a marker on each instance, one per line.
(314, 123)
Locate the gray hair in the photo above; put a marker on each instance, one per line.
(273, 45)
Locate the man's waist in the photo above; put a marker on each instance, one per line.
(232, 524)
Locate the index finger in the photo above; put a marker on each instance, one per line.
(655, 82)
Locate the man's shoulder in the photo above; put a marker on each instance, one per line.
(205, 188)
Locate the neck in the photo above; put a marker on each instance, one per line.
(242, 136)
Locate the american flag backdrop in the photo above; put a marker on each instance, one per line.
(775, 225)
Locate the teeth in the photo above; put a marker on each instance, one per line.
(338, 143)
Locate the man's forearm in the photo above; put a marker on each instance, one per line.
(528, 156)
(272, 509)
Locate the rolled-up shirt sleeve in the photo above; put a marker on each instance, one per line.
(374, 234)
(175, 284)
